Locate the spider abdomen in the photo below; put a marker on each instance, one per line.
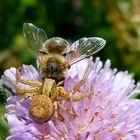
(41, 107)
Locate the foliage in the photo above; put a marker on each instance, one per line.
(4, 93)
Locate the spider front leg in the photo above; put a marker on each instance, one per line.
(80, 97)
(21, 90)
(81, 82)
(27, 82)
(61, 92)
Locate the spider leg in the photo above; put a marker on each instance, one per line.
(26, 96)
(55, 109)
(61, 91)
(27, 82)
(66, 109)
(66, 96)
(60, 83)
(57, 105)
(20, 90)
(83, 96)
(81, 82)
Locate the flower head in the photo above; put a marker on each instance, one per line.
(108, 114)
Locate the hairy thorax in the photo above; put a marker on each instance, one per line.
(53, 66)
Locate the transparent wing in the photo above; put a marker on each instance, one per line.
(85, 47)
(35, 36)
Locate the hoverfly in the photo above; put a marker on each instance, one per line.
(54, 57)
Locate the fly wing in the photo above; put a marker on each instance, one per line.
(35, 36)
(84, 48)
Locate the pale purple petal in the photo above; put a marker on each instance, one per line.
(109, 114)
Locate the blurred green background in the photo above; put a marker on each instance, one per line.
(117, 21)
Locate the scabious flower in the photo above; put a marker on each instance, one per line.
(109, 114)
